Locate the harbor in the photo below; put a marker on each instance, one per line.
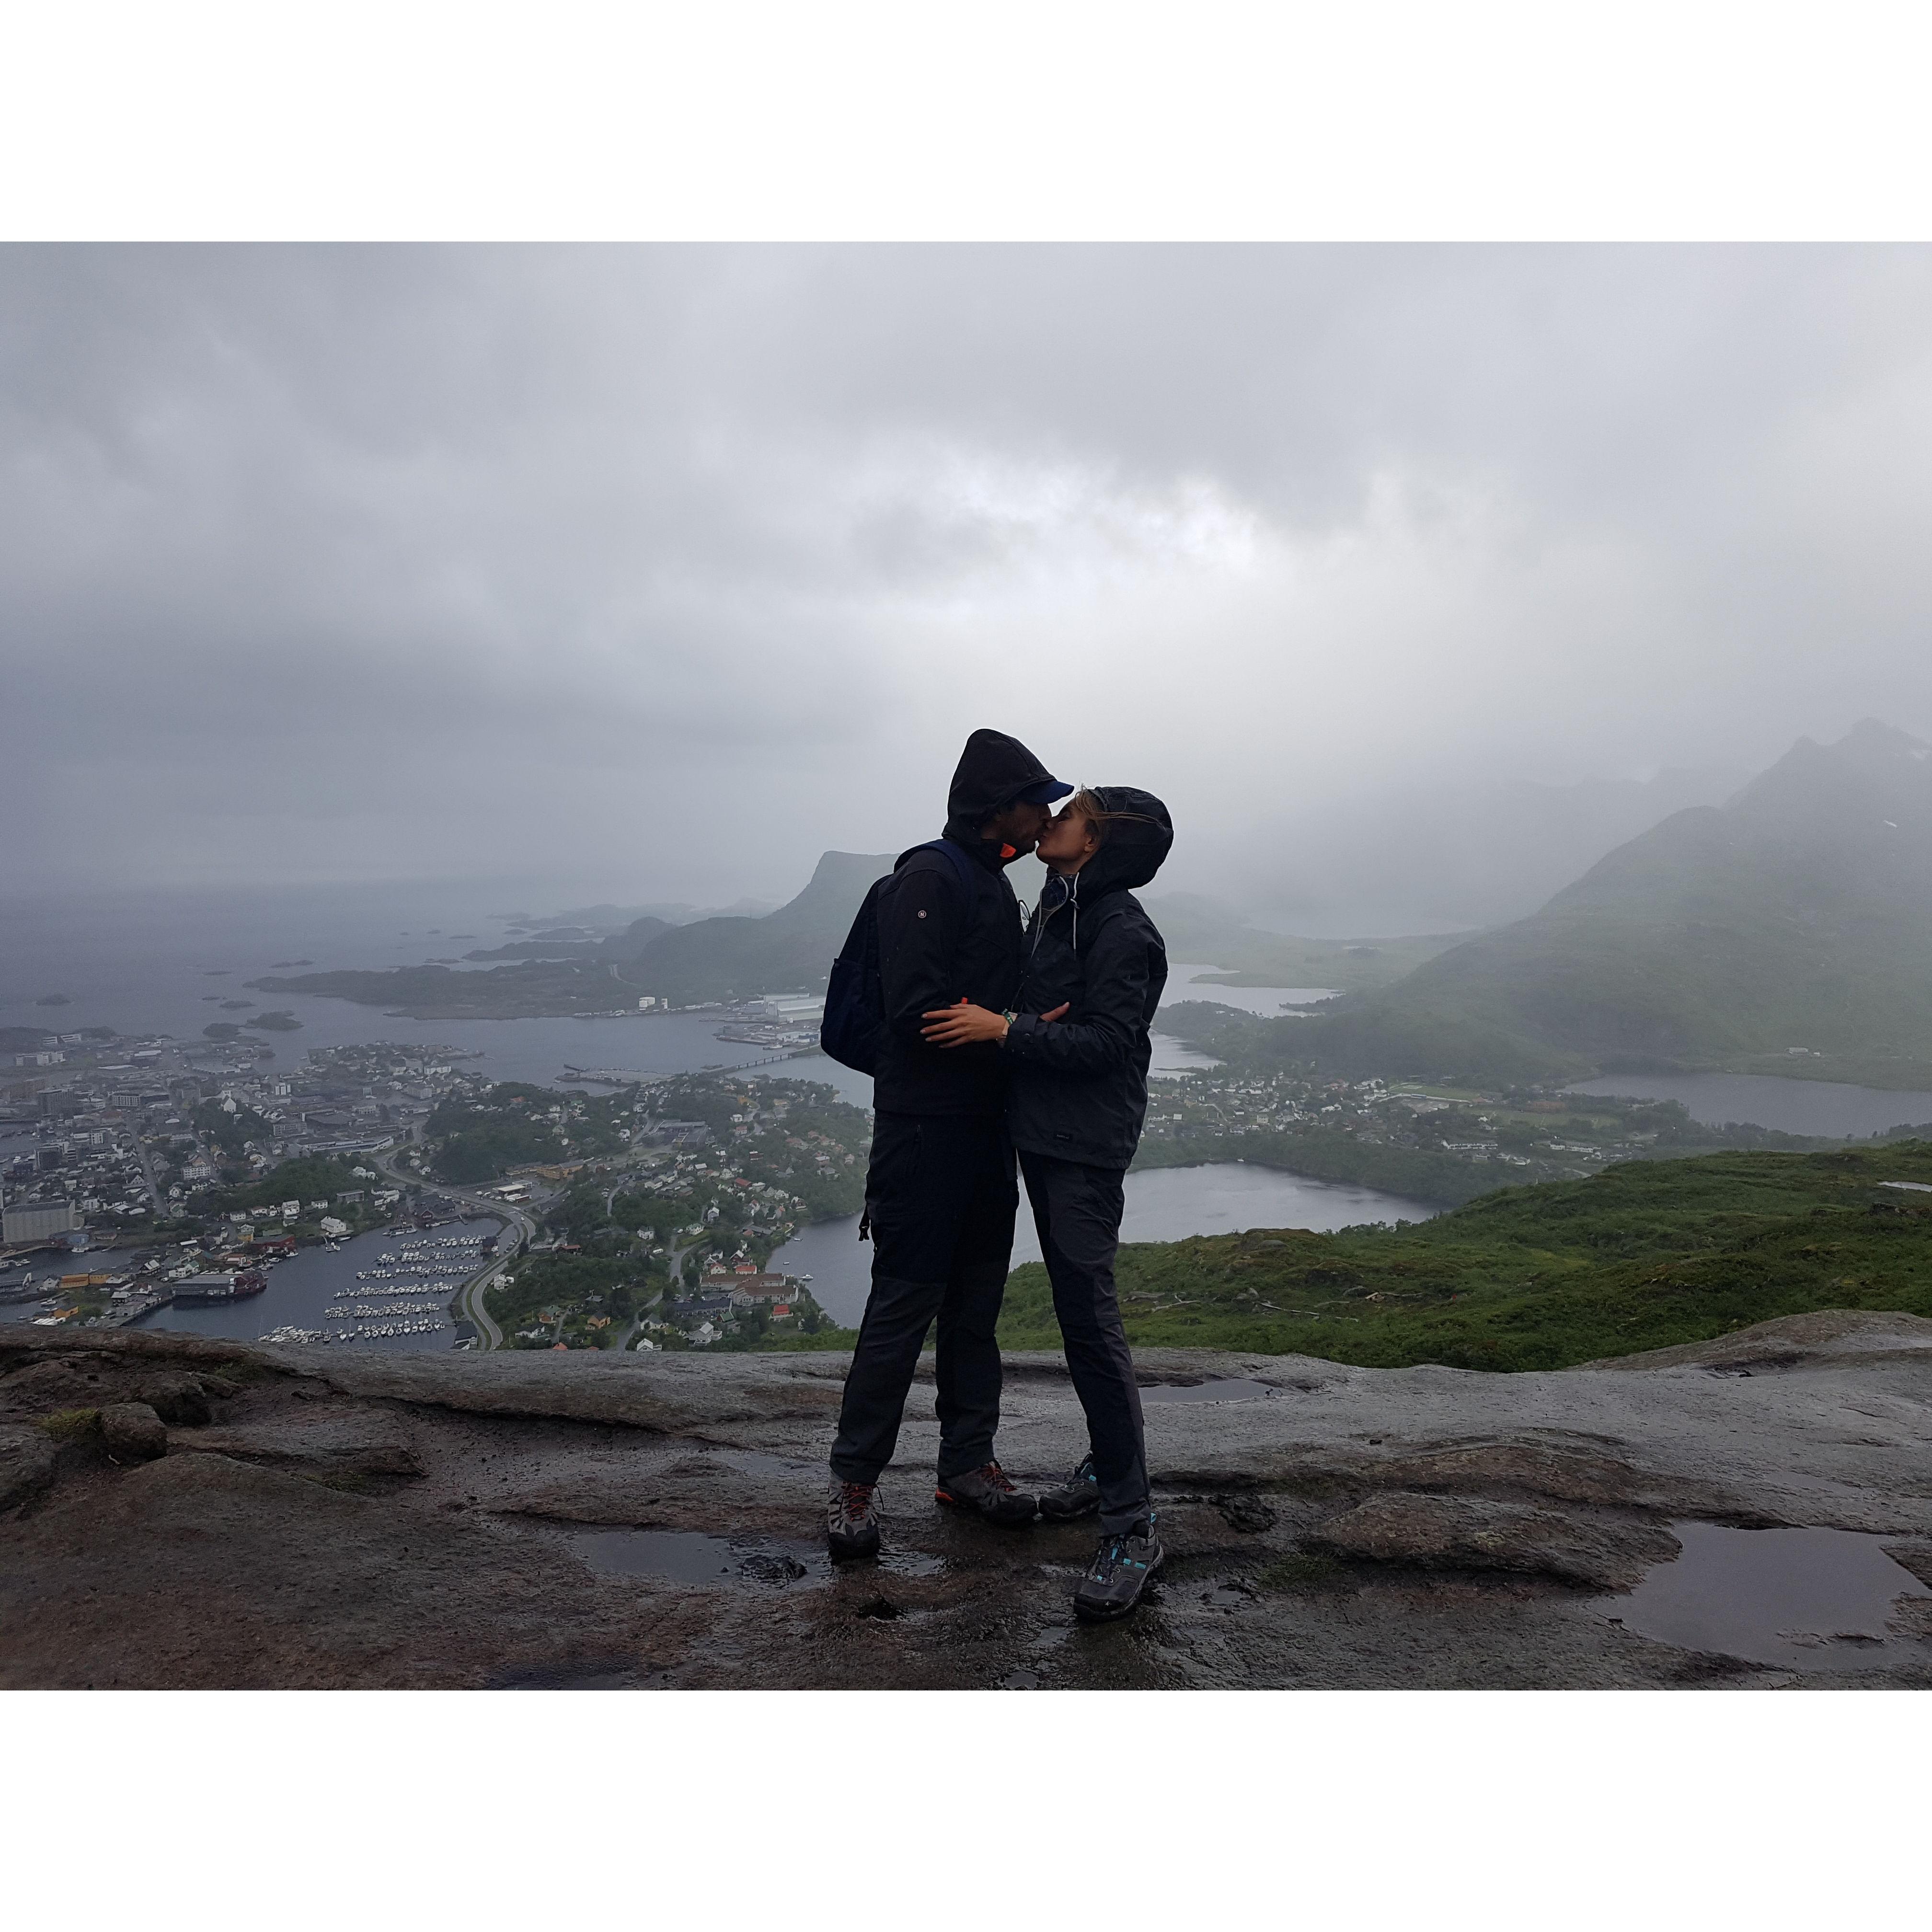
(380, 1290)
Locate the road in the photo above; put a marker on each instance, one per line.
(677, 1255)
(469, 1297)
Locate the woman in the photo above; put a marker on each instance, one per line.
(1077, 1048)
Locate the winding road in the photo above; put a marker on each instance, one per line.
(469, 1297)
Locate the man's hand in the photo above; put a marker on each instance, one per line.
(963, 1025)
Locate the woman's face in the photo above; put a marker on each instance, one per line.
(1068, 839)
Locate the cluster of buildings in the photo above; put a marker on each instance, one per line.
(101, 1138)
(1230, 1104)
(723, 1295)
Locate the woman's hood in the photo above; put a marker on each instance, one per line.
(1136, 845)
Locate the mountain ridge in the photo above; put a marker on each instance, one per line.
(1789, 929)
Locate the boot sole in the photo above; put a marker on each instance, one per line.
(850, 1549)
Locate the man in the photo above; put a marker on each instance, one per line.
(940, 1193)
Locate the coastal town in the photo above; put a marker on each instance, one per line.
(141, 1174)
(616, 1211)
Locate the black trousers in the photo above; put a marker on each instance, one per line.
(941, 1195)
(1077, 1210)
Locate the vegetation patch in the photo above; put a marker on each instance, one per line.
(71, 1425)
(1646, 1255)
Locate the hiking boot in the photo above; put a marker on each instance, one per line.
(852, 1520)
(1122, 1568)
(987, 1492)
(1078, 1495)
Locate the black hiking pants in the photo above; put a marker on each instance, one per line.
(941, 1195)
(1077, 1210)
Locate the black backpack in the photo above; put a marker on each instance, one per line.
(855, 997)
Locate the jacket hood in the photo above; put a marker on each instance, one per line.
(993, 770)
(1136, 845)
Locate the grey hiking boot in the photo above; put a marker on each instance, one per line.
(852, 1520)
(1079, 1495)
(987, 1492)
(1122, 1568)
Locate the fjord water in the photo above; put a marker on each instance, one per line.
(1164, 1203)
(1825, 1108)
(148, 963)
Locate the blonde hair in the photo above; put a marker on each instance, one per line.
(1088, 807)
(1087, 803)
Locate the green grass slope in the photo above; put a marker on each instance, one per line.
(1647, 1255)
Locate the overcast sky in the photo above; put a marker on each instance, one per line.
(653, 572)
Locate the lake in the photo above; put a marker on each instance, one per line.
(1821, 1107)
(1163, 1204)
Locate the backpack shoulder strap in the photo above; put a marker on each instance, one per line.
(955, 857)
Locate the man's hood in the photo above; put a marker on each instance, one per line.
(1136, 845)
(993, 770)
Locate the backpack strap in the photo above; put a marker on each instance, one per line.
(956, 856)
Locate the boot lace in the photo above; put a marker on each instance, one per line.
(996, 1477)
(853, 1502)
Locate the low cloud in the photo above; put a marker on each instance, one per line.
(658, 571)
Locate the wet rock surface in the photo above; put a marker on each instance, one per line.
(324, 1519)
(132, 1432)
(1470, 1533)
(26, 1466)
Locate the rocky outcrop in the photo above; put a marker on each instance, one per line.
(1468, 1533)
(343, 1449)
(329, 1517)
(133, 1432)
(26, 1466)
(1830, 1334)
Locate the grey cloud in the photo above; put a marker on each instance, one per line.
(661, 569)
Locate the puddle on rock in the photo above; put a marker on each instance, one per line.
(758, 1462)
(1229, 1389)
(1806, 1599)
(689, 1556)
(910, 1563)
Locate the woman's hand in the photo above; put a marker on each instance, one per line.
(963, 1025)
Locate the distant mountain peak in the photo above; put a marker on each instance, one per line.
(1875, 768)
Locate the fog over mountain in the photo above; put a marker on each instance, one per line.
(1415, 579)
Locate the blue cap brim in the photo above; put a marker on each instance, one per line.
(1044, 794)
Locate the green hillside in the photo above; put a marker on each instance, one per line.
(1646, 1255)
(1789, 931)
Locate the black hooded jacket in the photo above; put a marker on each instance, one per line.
(1078, 1084)
(935, 949)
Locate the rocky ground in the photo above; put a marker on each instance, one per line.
(178, 1512)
